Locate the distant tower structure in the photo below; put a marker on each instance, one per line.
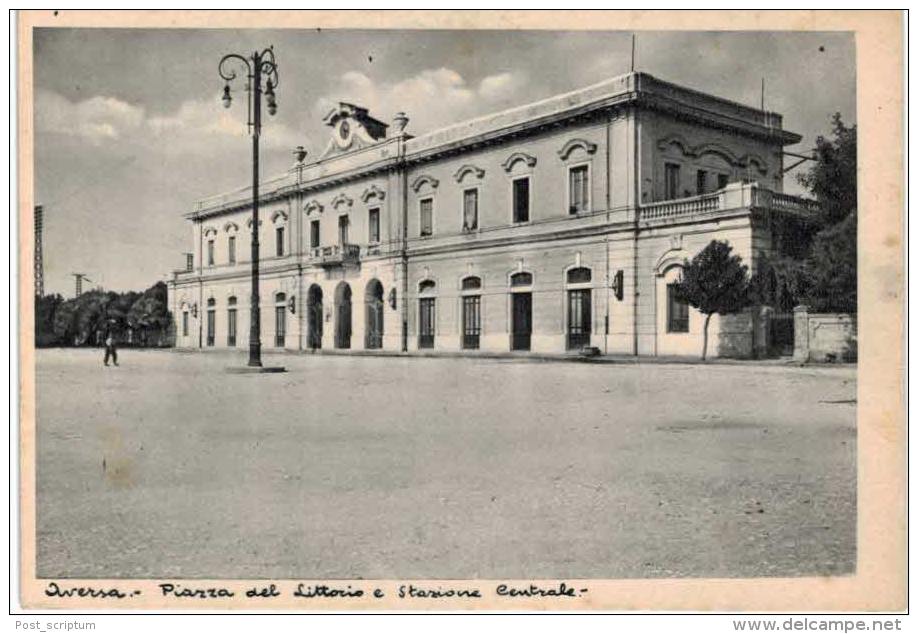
(39, 263)
(79, 277)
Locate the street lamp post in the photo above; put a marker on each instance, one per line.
(258, 65)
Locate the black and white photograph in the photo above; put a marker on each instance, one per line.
(339, 305)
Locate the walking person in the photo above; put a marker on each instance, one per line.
(110, 350)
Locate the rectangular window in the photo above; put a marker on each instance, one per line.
(427, 319)
(231, 327)
(185, 324)
(232, 249)
(471, 321)
(470, 210)
(722, 180)
(521, 200)
(374, 225)
(671, 182)
(343, 224)
(314, 234)
(579, 189)
(677, 312)
(279, 241)
(210, 253)
(427, 217)
(701, 181)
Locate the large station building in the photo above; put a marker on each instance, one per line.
(545, 228)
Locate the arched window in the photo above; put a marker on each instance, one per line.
(280, 298)
(521, 279)
(211, 302)
(427, 287)
(579, 275)
(471, 284)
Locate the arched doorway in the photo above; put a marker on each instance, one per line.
(579, 307)
(427, 313)
(280, 320)
(374, 315)
(343, 316)
(211, 321)
(314, 317)
(521, 311)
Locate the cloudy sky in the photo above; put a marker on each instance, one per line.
(129, 129)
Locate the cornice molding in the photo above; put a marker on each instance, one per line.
(280, 213)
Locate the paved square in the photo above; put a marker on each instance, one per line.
(362, 467)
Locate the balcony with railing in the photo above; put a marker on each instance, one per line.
(336, 255)
(733, 196)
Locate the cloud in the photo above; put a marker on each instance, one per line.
(432, 98)
(196, 127)
(97, 119)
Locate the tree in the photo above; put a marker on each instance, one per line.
(715, 281)
(831, 269)
(64, 325)
(148, 313)
(45, 310)
(833, 178)
(829, 277)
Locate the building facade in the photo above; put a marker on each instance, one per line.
(545, 228)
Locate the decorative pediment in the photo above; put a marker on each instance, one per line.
(754, 159)
(573, 144)
(313, 206)
(248, 223)
(423, 179)
(210, 231)
(280, 213)
(230, 226)
(352, 129)
(678, 141)
(669, 259)
(718, 150)
(372, 191)
(518, 156)
(468, 169)
(341, 199)
(697, 151)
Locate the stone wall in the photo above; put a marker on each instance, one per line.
(824, 337)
